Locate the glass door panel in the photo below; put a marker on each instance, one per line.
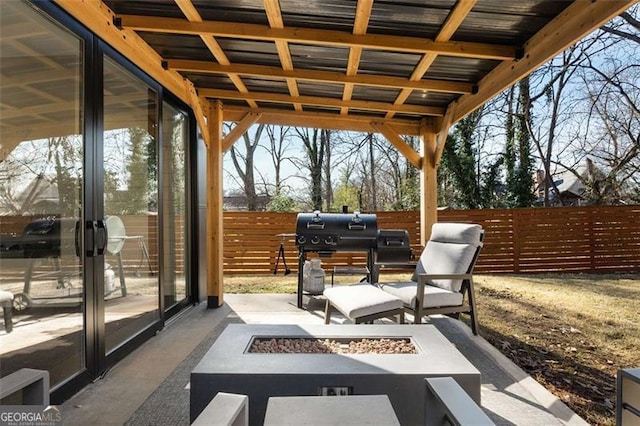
(41, 187)
(175, 136)
(131, 282)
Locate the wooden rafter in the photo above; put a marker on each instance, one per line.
(443, 86)
(274, 15)
(363, 13)
(189, 10)
(318, 37)
(449, 27)
(322, 101)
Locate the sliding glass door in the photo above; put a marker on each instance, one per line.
(175, 133)
(93, 199)
(130, 168)
(42, 187)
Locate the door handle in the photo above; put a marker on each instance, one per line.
(102, 237)
(90, 238)
(76, 239)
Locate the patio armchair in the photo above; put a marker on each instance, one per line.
(442, 282)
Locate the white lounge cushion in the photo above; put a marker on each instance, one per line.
(360, 300)
(433, 296)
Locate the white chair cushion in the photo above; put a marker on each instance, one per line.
(450, 250)
(459, 233)
(433, 296)
(360, 300)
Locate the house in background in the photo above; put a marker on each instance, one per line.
(570, 189)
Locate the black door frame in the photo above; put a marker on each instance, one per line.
(97, 362)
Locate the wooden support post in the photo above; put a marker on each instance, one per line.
(215, 217)
(428, 181)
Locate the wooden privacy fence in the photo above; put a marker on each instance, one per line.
(558, 239)
(569, 239)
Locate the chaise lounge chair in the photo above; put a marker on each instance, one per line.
(442, 282)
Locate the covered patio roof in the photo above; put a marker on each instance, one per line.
(397, 68)
(343, 64)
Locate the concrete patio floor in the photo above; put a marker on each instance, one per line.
(509, 395)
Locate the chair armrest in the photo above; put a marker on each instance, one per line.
(425, 277)
(422, 281)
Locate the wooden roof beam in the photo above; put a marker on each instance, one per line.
(317, 37)
(442, 86)
(199, 105)
(570, 26)
(449, 27)
(321, 120)
(397, 141)
(189, 10)
(321, 101)
(363, 13)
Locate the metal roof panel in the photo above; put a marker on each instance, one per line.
(250, 51)
(459, 69)
(381, 62)
(325, 58)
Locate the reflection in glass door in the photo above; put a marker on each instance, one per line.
(175, 136)
(131, 282)
(41, 194)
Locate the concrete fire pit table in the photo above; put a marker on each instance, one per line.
(229, 367)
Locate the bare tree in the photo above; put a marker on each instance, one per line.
(244, 164)
(279, 144)
(613, 88)
(328, 188)
(314, 141)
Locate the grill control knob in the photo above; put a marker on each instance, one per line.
(315, 239)
(328, 240)
(302, 239)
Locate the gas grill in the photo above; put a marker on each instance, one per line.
(327, 233)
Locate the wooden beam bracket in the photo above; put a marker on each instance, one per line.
(240, 129)
(399, 143)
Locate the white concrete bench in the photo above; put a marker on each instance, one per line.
(447, 403)
(225, 409)
(34, 385)
(362, 303)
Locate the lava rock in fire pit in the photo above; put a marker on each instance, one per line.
(331, 346)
